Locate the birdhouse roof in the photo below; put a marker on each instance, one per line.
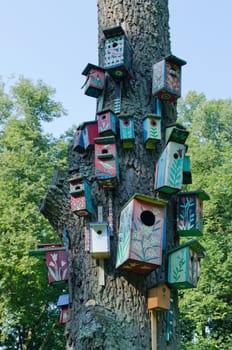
(103, 140)
(175, 60)
(194, 244)
(200, 193)
(91, 66)
(155, 116)
(63, 300)
(113, 31)
(177, 125)
(147, 199)
(43, 251)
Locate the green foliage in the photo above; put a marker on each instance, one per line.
(27, 160)
(207, 310)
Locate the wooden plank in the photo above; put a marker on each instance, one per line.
(101, 269)
(153, 330)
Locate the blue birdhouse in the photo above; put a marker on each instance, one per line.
(62, 303)
(151, 130)
(81, 199)
(78, 144)
(166, 83)
(118, 54)
(190, 212)
(184, 265)
(127, 130)
(169, 169)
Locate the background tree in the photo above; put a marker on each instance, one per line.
(115, 316)
(27, 160)
(207, 309)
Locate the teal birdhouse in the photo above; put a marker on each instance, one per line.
(141, 231)
(190, 212)
(95, 81)
(176, 133)
(151, 130)
(106, 123)
(169, 169)
(184, 265)
(99, 240)
(118, 54)
(106, 162)
(166, 83)
(80, 196)
(127, 130)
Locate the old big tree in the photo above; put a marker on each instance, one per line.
(115, 315)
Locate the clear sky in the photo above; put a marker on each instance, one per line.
(53, 40)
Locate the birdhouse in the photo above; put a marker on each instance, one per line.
(80, 192)
(78, 144)
(141, 229)
(166, 83)
(62, 303)
(127, 131)
(190, 212)
(106, 121)
(99, 240)
(176, 133)
(169, 169)
(187, 175)
(90, 132)
(95, 81)
(158, 298)
(56, 261)
(184, 265)
(106, 161)
(118, 53)
(151, 130)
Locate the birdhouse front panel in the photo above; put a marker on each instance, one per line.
(151, 130)
(118, 54)
(142, 223)
(78, 144)
(169, 169)
(184, 265)
(90, 132)
(158, 298)
(95, 82)
(57, 266)
(127, 131)
(190, 213)
(63, 315)
(99, 240)
(106, 123)
(176, 133)
(106, 162)
(81, 200)
(166, 84)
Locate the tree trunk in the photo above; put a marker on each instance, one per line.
(115, 316)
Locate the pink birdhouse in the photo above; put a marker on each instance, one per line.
(56, 262)
(95, 82)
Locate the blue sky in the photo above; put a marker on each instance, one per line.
(53, 40)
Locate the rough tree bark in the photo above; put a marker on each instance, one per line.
(115, 316)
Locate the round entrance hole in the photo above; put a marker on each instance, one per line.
(99, 232)
(115, 44)
(175, 155)
(148, 218)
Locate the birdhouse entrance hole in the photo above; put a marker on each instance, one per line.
(104, 151)
(99, 232)
(147, 218)
(115, 44)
